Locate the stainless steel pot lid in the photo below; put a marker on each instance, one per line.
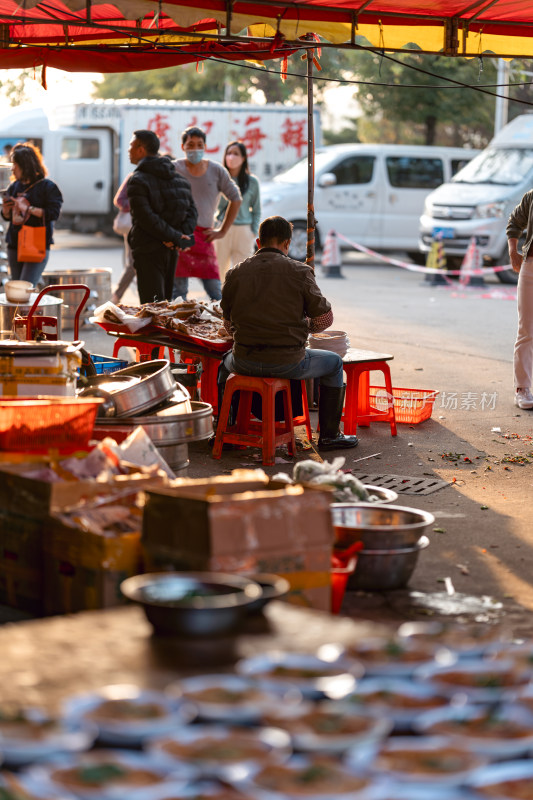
(46, 300)
(13, 347)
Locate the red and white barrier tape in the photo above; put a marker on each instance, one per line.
(415, 268)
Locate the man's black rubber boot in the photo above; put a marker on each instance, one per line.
(330, 403)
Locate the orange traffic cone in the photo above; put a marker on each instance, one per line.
(472, 263)
(331, 257)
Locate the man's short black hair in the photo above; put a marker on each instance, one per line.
(149, 140)
(275, 229)
(193, 130)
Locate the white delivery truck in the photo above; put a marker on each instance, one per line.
(478, 200)
(371, 193)
(85, 145)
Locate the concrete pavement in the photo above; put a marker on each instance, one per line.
(455, 340)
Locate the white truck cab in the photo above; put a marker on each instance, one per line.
(479, 198)
(371, 193)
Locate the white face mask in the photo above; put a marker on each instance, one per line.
(194, 156)
(233, 160)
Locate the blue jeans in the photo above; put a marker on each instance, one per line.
(321, 364)
(25, 270)
(212, 286)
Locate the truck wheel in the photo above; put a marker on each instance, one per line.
(298, 248)
(508, 276)
(417, 257)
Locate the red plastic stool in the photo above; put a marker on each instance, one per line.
(357, 408)
(145, 351)
(267, 434)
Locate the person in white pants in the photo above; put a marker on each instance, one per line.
(238, 243)
(520, 220)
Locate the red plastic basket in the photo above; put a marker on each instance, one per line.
(41, 424)
(410, 405)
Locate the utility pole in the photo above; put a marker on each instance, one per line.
(501, 112)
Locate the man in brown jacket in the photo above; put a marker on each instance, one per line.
(270, 304)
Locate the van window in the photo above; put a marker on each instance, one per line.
(354, 169)
(459, 163)
(407, 172)
(79, 147)
(503, 167)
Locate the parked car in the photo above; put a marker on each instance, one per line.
(371, 193)
(478, 200)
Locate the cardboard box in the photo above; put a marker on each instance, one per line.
(38, 499)
(83, 570)
(21, 569)
(243, 523)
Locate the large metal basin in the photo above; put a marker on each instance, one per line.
(168, 429)
(379, 527)
(385, 570)
(98, 280)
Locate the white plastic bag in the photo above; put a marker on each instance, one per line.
(122, 223)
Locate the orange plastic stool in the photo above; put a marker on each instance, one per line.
(267, 434)
(145, 351)
(357, 408)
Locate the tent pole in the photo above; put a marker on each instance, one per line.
(310, 255)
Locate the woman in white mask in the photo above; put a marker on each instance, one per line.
(208, 180)
(238, 243)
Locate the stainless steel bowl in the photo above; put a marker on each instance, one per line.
(385, 570)
(192, 603)
(379, 527)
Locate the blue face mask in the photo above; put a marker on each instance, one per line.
(194, 156)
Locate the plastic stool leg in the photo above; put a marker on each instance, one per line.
(305, 406)
(388, 386)
(222, 422)
(363, 399)
(287, 413)
(269, 425)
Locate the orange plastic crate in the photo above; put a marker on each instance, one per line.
(38, 425)
(410, 405)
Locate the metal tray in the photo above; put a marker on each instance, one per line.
(156, 385)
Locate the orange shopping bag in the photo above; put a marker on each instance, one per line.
(32, 243)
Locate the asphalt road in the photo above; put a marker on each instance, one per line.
(459, 341)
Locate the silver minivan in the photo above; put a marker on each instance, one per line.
(373, 194)
(478, 200)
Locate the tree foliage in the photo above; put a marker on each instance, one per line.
(427, 115)
(241, 82)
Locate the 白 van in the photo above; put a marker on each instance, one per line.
(479, 198)
(373, 194)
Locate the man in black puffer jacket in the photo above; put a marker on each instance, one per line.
(163, 217)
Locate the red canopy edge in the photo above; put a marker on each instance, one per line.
(124, 59)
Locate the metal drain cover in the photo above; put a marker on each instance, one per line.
(403, 484)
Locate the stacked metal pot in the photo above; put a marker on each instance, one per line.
(148, 395)
(392, 538)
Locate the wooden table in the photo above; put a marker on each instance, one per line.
(45, 661)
